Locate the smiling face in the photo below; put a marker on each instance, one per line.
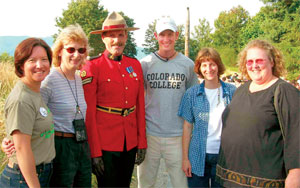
(209, 70)
(36, 67)
(115, 41)
(259, 67)
(166, 40)
(72, 55)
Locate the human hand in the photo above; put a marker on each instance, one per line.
(293, 180)
(140, 156)
(97, 166)
(8, 147)
(187, 168)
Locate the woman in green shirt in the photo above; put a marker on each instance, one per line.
(29, 123)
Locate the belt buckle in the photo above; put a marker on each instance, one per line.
(125, 112)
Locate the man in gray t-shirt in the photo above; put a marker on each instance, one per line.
(167, 75)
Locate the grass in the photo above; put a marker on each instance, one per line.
(7, 82)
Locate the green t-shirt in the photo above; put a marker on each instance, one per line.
(26, 111)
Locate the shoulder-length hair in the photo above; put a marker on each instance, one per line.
(72, 33)
(24, 50)
(273, 53)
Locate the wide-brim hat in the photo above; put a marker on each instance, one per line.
(113, 22)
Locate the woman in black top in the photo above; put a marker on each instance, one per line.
(254, 150)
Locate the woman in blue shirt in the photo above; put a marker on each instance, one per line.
(201, 108)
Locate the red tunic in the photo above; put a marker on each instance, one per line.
(108, 83)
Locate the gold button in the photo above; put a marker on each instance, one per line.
(126, 88)
(108, 80)
(119, 63)
(136, 79)
(126, 102)
(123, 75)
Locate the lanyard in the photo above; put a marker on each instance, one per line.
(75, 97)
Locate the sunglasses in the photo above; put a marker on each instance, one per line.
(71, 50)
(257, 61)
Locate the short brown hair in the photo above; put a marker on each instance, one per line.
(71, 33)
(208, 54)
(24, 50)
(273, 53)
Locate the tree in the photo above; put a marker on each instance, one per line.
(90, 16)
(151, 44)
(228, 27)
(201, 37)
(203, 33)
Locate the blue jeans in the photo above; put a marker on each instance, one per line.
(208, 180)
(12, 177)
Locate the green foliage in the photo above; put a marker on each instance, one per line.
(228, 27)
(203, 33)
(130, 48)
(180, 43)
(201, 38)
(151, 44)
(5, 57)
(90, 16)
(228, 56)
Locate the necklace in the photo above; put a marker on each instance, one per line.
(75, 97)
(164, 58)
(218, 97)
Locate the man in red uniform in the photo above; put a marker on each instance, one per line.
(115, 118)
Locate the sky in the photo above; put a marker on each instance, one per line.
(36, 18)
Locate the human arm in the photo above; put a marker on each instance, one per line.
(288, 112)
(25, 158)
(293, 178)
(89, 76)
(8, 147)
(186, 138)
(140, 116)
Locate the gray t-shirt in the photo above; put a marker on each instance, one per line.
(165, 84)
(26, 111)
(60, 100)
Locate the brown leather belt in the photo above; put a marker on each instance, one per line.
(119, 111)
(66, 135)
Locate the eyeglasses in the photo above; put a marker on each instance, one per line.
(257, 61)
(71, 50)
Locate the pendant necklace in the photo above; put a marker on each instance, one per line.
(164, 58)
(218, 97)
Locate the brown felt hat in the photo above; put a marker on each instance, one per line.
(113, 22)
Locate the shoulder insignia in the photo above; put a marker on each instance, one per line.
(93, 57)
(87, 80)
(83, 74)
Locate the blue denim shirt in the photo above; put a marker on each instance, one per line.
(194, 108)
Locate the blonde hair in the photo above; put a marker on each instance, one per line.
(273, 53)
(208, 54)
(71, 33)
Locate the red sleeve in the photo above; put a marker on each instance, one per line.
(89, 75)
(140, 106)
